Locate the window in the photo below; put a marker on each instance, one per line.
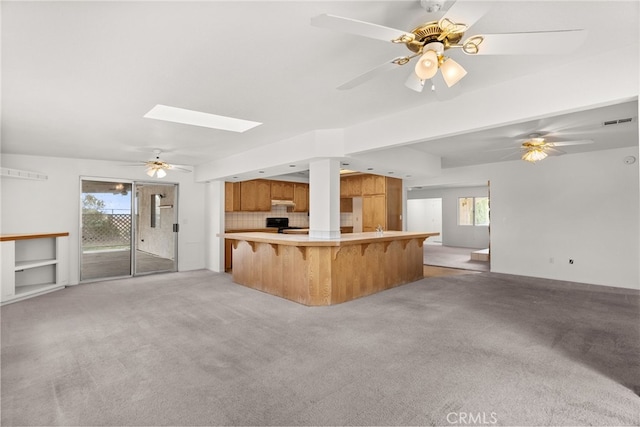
(473, 211)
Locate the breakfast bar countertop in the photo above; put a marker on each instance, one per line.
(345, 239)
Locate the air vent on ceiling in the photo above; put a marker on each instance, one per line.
(617, 122)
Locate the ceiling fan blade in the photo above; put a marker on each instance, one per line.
(511, 155)
(565, 143)
(467, 12)
(360, 28)
(554, 151)
(370, 74)
(512, 148)
(532, 43)
(137, 164)
(414, 82)
(180, 168)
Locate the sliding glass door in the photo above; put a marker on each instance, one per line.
(127, 228)
(106, 227)
(156, 228)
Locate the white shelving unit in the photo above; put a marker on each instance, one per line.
(33, 264)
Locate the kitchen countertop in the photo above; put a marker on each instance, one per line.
(348, 239)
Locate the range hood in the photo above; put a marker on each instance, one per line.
(288, 203)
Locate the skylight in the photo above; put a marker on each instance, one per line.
(198, 118)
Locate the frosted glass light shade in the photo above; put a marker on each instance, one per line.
(452, 72)
(534, 155)
(427, 65)
(161, 173)
(151, 172)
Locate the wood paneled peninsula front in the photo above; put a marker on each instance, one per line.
(317, 272)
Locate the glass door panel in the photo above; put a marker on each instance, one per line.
(106, 226)
(156, 234)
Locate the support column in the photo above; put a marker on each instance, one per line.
(214, 225)
(324, 199)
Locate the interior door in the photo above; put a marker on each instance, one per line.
(156, 225)
(106, 229)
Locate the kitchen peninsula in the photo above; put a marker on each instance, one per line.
(318, 272)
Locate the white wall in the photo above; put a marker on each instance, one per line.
(583, 207)
(54, 205)
(463, 236)
(425, 215)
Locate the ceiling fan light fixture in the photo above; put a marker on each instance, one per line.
(161, 173)
(452, 72)
(534, 155)
(151, 172)
(427, 65)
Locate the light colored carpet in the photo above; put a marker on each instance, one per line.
(195, 349)
(452, 257)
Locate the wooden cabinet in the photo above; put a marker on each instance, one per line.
(393, 194)
(346, 205)
(381, 200)
(374, 212)
(33, 264)
(255, 195)
(228, 254)
(231, 196)
(301, 197)
(282, 190)
(351, 186)
(373, 184)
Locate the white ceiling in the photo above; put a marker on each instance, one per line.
(77, 77)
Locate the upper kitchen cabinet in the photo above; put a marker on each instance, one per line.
(255, 195)
(373, 184)
(351, 186)
(301, 197)
(282, 190)
(231, 196)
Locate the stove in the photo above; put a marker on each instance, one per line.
(281, 224)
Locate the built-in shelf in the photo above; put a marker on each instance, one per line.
(24, 265)
(33, 264)
(25, 291)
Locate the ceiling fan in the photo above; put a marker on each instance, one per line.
(430, 40)
(536, 147)
(158, 168)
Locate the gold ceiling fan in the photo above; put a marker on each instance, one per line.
(430, 41)
(158, 168)
(536, 147)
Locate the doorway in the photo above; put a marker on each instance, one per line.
(127, 228)
(425, 215)
(156, 228)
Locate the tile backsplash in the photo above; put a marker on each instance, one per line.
(243, 220)
(346, 219)
(248, 220)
